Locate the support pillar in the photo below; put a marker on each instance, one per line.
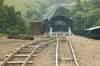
(50, 31)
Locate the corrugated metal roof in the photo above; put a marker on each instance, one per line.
(93, 28)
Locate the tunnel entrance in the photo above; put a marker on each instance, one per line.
(59, 23)
(58, 18)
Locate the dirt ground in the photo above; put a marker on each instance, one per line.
(9, 45)
(46, 57)
(87, 50)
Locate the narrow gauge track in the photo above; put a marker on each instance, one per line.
(23, 56)
(65, 53)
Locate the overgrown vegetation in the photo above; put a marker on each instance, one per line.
(85, 14)
(11, 21)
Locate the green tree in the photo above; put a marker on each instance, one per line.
(1, 3)
(11, 21)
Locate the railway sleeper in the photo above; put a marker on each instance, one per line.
(25, 54)
(21, 55)
(27, 49)
(18, 65)
(18, 62)
(19, 58)
(23, 51)
(66, 59)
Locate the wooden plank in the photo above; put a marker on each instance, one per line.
(18, 62)
(27, 59)
(18, 49)
(21, 55)
(10, 56)
(67, 59)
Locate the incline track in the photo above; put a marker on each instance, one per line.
(58, 51)
(23, 56)
(65, 53)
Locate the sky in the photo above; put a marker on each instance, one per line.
(19, 4)
(24, 5)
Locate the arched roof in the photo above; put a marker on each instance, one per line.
(67, 20)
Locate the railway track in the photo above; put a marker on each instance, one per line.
(65, 53)
(42, 53)
(23, 56)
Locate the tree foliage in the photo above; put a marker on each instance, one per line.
(85, 14)
(11, 21)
